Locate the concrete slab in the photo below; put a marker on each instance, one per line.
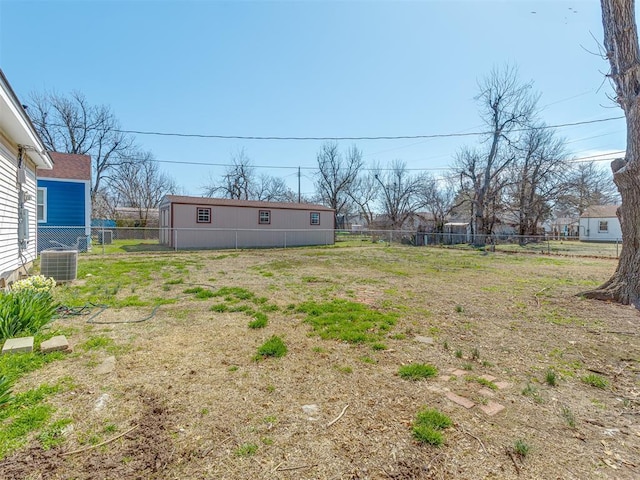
(502, 385)
(491, 408)
(107, 366)
(462, 401)
(421, 339)
(54, 344)
(488, 378)
(459, 373)
(18, 345)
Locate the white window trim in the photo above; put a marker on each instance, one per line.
(603, 230)
(44, 204)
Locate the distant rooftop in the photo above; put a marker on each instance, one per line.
(600, 211)
(68, 166)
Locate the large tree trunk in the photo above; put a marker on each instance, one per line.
(621, 44)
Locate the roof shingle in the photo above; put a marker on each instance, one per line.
(68, 166)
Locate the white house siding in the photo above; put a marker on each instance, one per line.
(238, 226)
(590, 229)
(8, 213)
(10, 258)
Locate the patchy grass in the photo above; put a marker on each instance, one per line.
(428, 425)
(274, 347)
(260, 320)
(347, 321)
(595, 381)
(417, 371)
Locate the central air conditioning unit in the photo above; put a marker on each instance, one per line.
(105, 237)
(62, 265)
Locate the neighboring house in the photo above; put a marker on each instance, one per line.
(64, 202)
(600, 223)
(194, 222)
(563, 227)
(21, 153)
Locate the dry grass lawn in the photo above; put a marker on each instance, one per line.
(201, 406)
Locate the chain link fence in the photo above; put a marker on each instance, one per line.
(102, 240)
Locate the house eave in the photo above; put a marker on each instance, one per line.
(17, 125)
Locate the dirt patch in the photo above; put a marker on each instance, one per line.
(143, 453)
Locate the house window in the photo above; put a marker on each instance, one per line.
(603, 226)
(42, 205)
(264, 217)
(314, 218)
(204, 215)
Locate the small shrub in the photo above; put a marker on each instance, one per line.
(36, 283)
(274, 347)
(459, 309)
(551, 378)
(458, 353)
(521, 448)
(475, 354)
(417, 371)
(595, 381)
(260, 320)
(25, 311)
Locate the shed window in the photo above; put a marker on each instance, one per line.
(42, 205)
(204, 215)
(314, 218)
(603, 227)
(264, 217)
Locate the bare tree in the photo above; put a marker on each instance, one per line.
(336, 176)
(363, 193)
(140, 184)
(69, 124)
(586, 184)
(399, 193)
(272, 189)
(439, 198)
(623, 52)
(506, 104)
(236, 183)
(240, 182)
(537, 178)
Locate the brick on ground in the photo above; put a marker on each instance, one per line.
(462, 401)
(18, 345)
(55, 344)
(485, 392)
(459, 373)
(491, 408)
(502, 385)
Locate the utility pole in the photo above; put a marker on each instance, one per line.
(298, 184)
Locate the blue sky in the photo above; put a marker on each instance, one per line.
(309, 68)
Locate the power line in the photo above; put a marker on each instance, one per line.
(382, 137)
(369, 169)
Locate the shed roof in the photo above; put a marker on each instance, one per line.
(225, 202)
(68, 166)
(600, 211)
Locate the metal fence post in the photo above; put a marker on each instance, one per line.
(285, 239)
(175, 239)
(236, 239)
(616, 248)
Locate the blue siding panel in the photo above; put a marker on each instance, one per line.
(65, 203)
